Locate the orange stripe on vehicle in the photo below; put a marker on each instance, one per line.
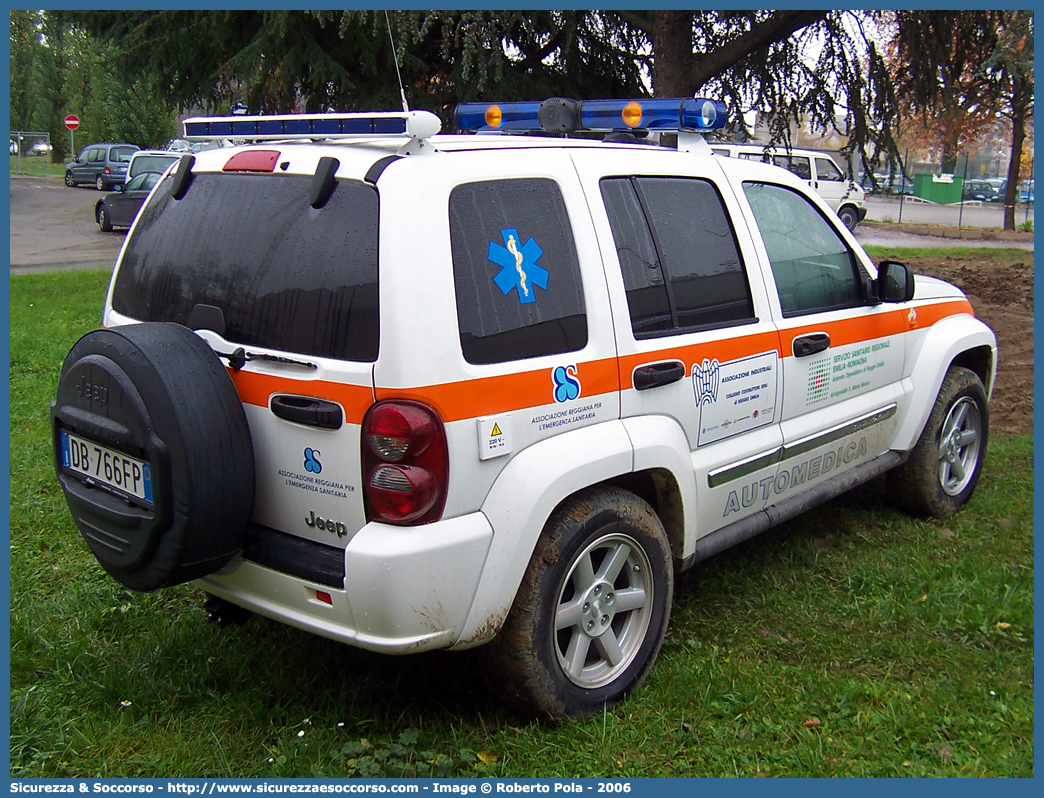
(484, 396)
(257, 389)
(927, 315)
(723, 349)
(844, 332)
(456, 401)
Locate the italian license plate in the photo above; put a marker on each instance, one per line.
(111, 468)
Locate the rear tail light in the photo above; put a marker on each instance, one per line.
(107, 171)
(405, 463)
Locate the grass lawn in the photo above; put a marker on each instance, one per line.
(35, 165)
(852, 641)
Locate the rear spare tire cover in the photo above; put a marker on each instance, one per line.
(150, 408)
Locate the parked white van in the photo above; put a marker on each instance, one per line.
(818, 168)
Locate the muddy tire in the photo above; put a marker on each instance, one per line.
(153, 402)
(940, 476)
(590, 616)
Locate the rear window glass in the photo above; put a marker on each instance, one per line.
(515, 271)
(121, 154)
(285, 275)
(150, 163)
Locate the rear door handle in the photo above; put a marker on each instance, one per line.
(308, 410)
(806, 345)
(656, 374)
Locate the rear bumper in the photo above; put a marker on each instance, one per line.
(406, 589)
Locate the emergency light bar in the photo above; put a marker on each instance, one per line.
(415, 124)
(558, 115)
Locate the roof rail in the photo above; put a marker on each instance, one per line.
(415, 125)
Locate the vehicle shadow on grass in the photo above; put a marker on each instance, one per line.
(348, 685)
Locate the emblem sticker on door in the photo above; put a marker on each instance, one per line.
(735, 396)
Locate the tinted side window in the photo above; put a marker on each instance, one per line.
(813, 268)
(798, 164)
(515, 271)
(647, 299)
(681, 264)
(285, 276)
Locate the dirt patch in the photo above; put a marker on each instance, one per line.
(1001, 293)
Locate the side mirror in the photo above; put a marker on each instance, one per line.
(895, 282)
(118, 187)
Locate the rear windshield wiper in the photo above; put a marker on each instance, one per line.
(239, 358)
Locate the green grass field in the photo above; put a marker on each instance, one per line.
(853, 641)
(35, 165)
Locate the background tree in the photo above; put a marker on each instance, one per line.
(1012, 62)
(26, 53)
(938, 72)
(58, 68)
(822, 69)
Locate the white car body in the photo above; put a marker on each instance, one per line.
(413, 391)
(451, 583)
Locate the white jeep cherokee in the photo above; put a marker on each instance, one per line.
(414, 391)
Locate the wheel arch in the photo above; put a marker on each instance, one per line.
(954, 341)
(545, 476)
(528, 490)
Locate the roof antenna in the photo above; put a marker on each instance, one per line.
(395, 56)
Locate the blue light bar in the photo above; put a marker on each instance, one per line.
(697, 114)
(702, 114)
(296, 126)
(486, 117)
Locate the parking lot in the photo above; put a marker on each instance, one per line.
(52, 227)
(974, 214)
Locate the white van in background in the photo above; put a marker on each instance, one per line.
(150, 161)
(819, 169)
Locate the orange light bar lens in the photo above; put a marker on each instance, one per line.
(494, 116)
(632, 114)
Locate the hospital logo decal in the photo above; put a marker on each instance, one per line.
(818, 381)
(518, 267)
(705, 380)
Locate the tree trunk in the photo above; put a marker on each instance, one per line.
(678, 72)
(1018, 136)
(672, 38)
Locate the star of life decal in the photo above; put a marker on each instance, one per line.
(519, 269)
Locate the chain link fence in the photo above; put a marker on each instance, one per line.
(31, 152)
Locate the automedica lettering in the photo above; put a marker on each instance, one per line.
(786, 480)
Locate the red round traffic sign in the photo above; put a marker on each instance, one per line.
(72, 122)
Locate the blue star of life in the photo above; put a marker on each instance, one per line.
(518, 266)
